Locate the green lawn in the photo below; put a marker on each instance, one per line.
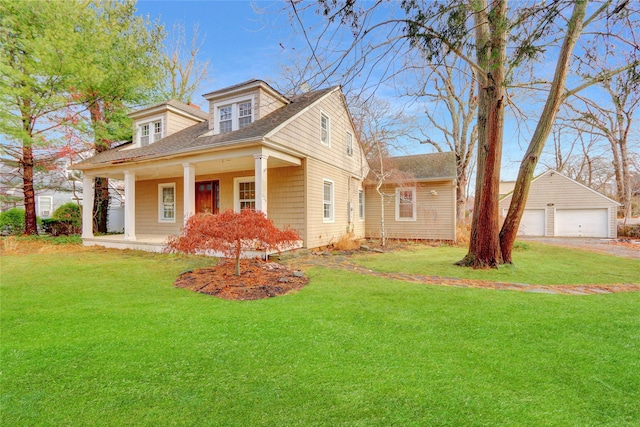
(103, 338)
(534, 263)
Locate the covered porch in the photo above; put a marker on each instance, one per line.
(147, 225)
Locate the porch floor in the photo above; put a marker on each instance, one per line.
(156, 243)
(143, 242)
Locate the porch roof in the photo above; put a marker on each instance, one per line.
(198, 137)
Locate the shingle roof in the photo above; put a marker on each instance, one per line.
(195, 111)
(192, 139)
(427, 166)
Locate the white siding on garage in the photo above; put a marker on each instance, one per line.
(582, 222)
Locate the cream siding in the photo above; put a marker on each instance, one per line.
(321, 233)
(435, 213)
(177, 122)
(552, 191)
(285, 192)
(267, 103)
(303, 135)
(147, 207)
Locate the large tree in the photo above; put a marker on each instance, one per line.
(504, 39)
(37, 64)
(122, 67)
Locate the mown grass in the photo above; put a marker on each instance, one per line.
(103, 338)
(534, 263)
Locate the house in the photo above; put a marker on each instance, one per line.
(297, 159)
(419, 202)
(560, 206)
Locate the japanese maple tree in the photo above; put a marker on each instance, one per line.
(231, 233)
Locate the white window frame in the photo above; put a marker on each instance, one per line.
(331, 202)
(153, 136)
(234, 103)
(161, 217)
(413, 202)
(236, 190)
(349, 142)
(361, 205)
(50, 205)
(328, 129)
(230, 119)
(241, 116)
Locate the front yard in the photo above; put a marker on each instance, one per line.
(98, 337)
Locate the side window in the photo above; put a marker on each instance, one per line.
(327, 200)
(167, 202)
(325, 129)
(361, 205)
(45, 206)
(406, 204)
(349, 142)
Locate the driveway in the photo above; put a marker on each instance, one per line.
(617, 247)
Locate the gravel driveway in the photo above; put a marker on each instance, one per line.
(617, 247)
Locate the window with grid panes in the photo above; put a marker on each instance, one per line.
(405, 204)
(247, 195)
(225, 114)
(327, 202)
(244, 114)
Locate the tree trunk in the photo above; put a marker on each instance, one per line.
(461, 195)
(100, 204)
(491, 33)
(101, 185)
(30, 222)
(543, 129)
(27, 163)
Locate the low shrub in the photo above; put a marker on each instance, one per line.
(61, 227)
(66, 220)
(630, 230)
(68, 212)
(12, 222)
(346, 242)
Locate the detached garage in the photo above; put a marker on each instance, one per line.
(559, 206)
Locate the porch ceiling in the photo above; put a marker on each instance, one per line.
(205, 163)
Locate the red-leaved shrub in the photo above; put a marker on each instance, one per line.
(231, 233)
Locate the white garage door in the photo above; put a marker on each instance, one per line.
(532, 223)
(582, 222)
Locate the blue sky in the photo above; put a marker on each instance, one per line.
(239, 42)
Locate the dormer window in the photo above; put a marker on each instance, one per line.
(244, 114)
(226, 118)
(150, 132)
(233, 115)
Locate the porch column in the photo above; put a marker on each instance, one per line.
(189, 190)
(87, 206)
(261, 181)
(129, 205)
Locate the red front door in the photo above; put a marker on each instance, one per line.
(207, 197)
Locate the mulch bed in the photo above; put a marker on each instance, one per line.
(258, 279)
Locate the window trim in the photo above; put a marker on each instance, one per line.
(414, 203)
(149, 121)
(331, 218)
(361, 205)
(328, 142)
(161, 217)
(236, 190)
(349, 143)
(234, 103)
